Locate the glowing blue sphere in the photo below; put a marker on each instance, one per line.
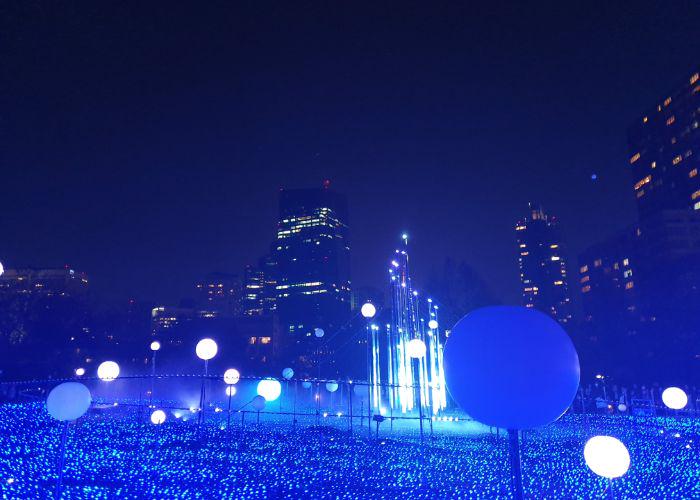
(68, 401)
(287, 373)
(511, 367)
(270, 389)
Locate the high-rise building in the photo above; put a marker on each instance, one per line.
(43, 282)
(312, 262)
(608, 280)
(220, 293)
(665, 152)
(259, 293)
(542, 265)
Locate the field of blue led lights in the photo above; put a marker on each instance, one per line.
(119, 454)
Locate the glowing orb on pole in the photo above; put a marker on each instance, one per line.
(270, 389)
(230, 391)
(157, 417)
(79, 372)
(108, 371)
(155, 345)
(416, 348)
(368, 310)
(606, 456)
(68, 401)
(675, 398)
(319, 332)
(511, 367)
(287, 373)
(306, 384)
(206, 349)
(231, 376)
(432, 324)
(331, 386)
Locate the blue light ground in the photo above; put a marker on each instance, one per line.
(111, 455)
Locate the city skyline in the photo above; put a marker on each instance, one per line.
(148, 190)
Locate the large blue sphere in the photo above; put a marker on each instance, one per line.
(511, 367)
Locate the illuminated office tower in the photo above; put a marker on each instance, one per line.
(665, 152)
(312, 262)
(220, 293)
(542, 265)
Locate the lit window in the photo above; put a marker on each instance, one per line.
(693, 173)
(586, 289)
(642, 182)
(697, 205)
(653, 164)
(635, 158)
(583, 269)
(625, 262)
(670, 120)
(677, 160)
(629, 285)
(252, 340)
(694, 78)
(645, 119)
(695, 195)
(585, 279)
(555, 257)
(598, 263)
(667, 101)
(265, 340)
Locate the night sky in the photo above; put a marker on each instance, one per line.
(144, 142)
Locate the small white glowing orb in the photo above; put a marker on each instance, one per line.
(230, 391)
(79, 372)
(231, 376)
(432, 324)
(675, 398)
(331, 386)
(319, 332)
(368, 310)
(155, 345)
(622, 407)
(206, 349)
(416, 348)
(270, 389)
(158, 417)
(306, 384)
(607, 456)
(287, 373)
(108, 371)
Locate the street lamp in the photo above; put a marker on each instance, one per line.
(155, 347)
(157, 417)
(231, 377)
(607, 457)
(416, 351)
(205, 349)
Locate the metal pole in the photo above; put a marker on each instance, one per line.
(153, 378)
(515, 470)
(61, 460)
(202, 394)
(350, 405)
(228, 418)
(369, 410)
